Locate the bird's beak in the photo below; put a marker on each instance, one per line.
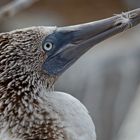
(76, 40)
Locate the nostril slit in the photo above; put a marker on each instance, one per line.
(119, 24)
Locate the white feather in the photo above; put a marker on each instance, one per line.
(75, 118)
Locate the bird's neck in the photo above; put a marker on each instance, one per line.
(22, 89)
(23, 101)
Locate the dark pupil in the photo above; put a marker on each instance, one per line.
(48, 45)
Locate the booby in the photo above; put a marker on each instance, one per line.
(31, 60)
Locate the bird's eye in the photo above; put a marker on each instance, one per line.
(48, 46)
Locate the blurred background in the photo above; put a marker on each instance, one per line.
(107, 78)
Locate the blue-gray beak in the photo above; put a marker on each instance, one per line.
(73, 41)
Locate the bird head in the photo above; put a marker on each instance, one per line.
(49, 51)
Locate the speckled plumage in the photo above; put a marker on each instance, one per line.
(22, 110)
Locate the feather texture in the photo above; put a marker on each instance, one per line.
(29, 110)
